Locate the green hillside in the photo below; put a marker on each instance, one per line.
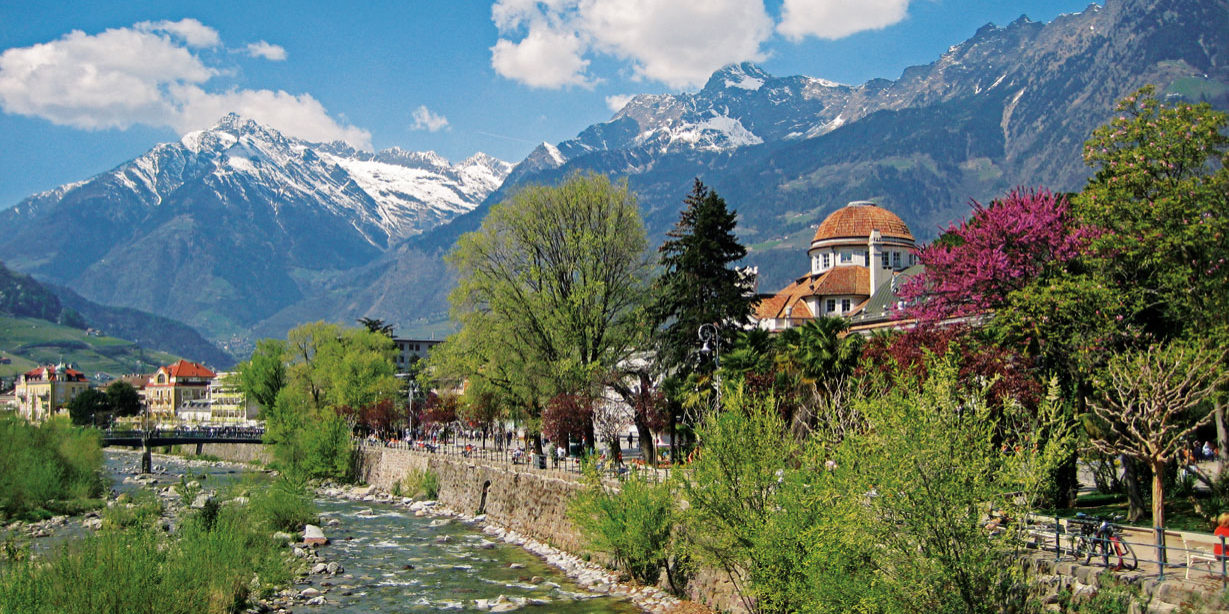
(29, 342)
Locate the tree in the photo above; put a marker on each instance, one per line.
(549, 292)
(1160, 197)
(86, 405)
(124, 398)
(698, 284)
(376, 325)
(998, 250)
(1150, 401)
(263, 375)
(818, 358)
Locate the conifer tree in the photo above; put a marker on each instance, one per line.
(698, 284)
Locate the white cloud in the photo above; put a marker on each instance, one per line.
(190, 31)
(677, 43)
(616, 102)
(546, 58)
(834, 19)
(268, 51)
(148, 75)
(424, 119)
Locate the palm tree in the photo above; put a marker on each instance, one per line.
(817, 358)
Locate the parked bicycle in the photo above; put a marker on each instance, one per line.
(1101, 537)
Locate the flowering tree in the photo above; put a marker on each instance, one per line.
(999, 249)
(567, 416)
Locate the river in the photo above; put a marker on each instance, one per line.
(395, 561)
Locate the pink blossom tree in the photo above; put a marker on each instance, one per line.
(999, 249)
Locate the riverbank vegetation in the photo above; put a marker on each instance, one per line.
(48, 469)
(824, 471)
(219, 559)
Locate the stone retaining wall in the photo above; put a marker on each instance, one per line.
(234, 452)
(1048, 577)
(532, 503)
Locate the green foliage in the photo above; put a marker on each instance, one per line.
(22, 296)
(1161, 196)
(284, 505)
(84, 407)
(420, 484)
(321, 374)
(698, 284)
(124, 398)
(216, 562)
(263, 375)
(889, 517)
(549, 293)
(45, 467)
(633, 523)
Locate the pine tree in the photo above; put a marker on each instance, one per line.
(698, 284)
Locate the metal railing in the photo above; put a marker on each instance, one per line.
(1150, 551)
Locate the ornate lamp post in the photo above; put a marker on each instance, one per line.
(711, 339)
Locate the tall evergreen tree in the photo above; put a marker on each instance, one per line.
(699, 284)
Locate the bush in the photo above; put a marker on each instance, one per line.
(419, 483)
(284, 505)
(47, 468)
(633, 524)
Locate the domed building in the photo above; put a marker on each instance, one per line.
(856, 250)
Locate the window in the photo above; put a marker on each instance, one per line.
(831, 305)
(827, 260)
(885, 260)
(846, 257)
(912, 259)
(866, 258)
(896, 259)
(844, 305)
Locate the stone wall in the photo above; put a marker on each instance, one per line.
(234, 452)
(533, 503)
(1175, 594)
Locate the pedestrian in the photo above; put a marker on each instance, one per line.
(1208, 454)
(1222, 531)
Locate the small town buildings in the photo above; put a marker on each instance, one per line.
(45, 391)
(410, 351)
(857, 250)
(227, 404)
(174, 385)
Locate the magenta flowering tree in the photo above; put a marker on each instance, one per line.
(999, 249)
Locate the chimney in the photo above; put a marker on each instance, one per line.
(872, 252)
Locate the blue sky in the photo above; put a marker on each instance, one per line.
(87, 86)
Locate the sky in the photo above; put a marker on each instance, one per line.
(85, 87)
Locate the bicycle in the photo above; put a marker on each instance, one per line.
(1101, 537)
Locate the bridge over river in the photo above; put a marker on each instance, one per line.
(152, 438)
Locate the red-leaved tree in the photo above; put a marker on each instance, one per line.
(999, 249)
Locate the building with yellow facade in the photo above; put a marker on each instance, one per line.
(46, 391)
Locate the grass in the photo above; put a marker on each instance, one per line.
(29, 342)
(219, 560)
(216, 565)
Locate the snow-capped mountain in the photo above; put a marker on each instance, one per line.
(226, 225)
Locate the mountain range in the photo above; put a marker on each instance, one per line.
(229, 225)
(244, 233)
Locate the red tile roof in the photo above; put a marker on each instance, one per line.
(49, 371)
(837, 281)
(184, 368)
(858, 220)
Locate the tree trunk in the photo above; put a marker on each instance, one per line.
(1131, 471)
(1222, 435)
(1158, 502)
(648, 448)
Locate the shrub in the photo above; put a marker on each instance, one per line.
(633, 524)
(419, 483)
(284, 505)
(47, 468)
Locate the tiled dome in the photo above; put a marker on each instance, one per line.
(858, 219)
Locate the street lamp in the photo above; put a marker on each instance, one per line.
(711, 339)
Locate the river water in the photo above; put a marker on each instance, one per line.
(395, 561)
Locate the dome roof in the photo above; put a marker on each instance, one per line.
(858, 219)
